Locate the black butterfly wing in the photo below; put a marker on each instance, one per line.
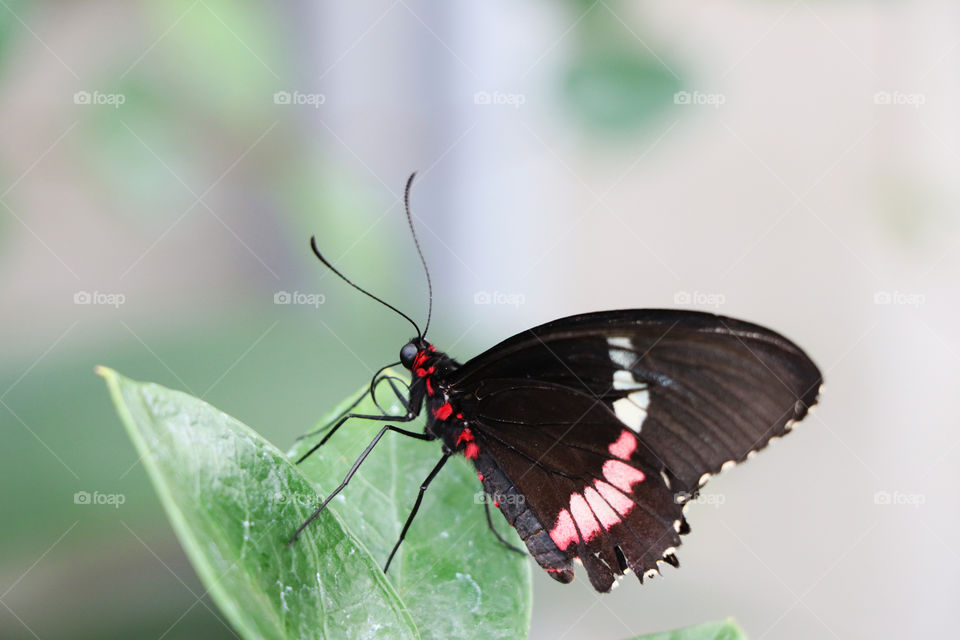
(700, 390)
(573, 480)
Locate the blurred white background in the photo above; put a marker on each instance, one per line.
(790, 163)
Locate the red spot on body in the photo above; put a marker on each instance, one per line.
(421, 356)
(625, 445)
(443, 411)
(421, 372)
(471, 450)
(429, 387)
(460, 416)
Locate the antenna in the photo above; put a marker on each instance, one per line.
(413, 232)
(313, 245)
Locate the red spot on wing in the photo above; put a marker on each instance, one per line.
(465, 436)
(621, 475)
(472, 451)
(480, 477)
(621, 503)
(625, 445)
(443, 411)
(564, 533)
(496, 503)
(607, 516)
(583, 516)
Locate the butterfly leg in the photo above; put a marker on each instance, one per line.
(345, 412)
(416, 506)
(371, 391)
(354, 468)
(486, 508)
(391, 380)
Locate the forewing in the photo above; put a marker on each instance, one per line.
(699, 390)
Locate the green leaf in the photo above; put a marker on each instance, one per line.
(720, 630)
(456, 578)
(234, 500)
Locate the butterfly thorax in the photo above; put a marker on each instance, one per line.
(430, 369)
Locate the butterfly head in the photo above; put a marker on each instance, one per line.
(415, 353)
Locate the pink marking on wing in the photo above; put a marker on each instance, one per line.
(622, 475)
(564, 533)
(586, 522)
(625, 445)
(621, 503)
(607, 516)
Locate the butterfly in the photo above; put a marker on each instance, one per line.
(592, 433)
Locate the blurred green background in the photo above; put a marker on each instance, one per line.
(164, 164)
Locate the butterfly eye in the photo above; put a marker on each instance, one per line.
(408, 354)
